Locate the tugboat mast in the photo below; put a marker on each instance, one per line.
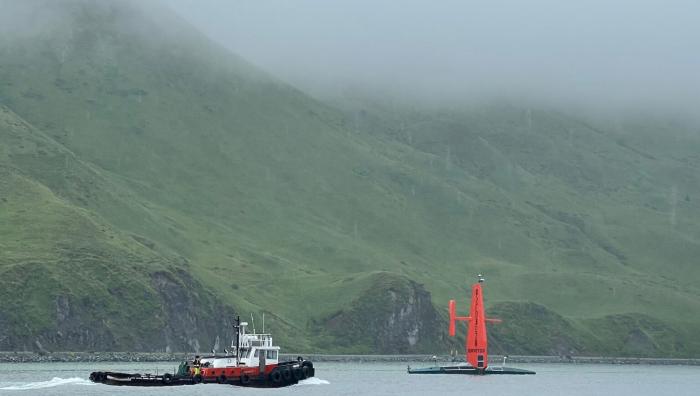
(237, 326)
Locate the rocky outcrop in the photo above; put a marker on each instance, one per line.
(393, 315)
(635, 335)
(196, 320)
(532, 329)
(171, 312)
(75, 328)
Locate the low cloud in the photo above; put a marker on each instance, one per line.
(602, 54)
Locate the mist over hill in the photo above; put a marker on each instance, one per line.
(600, 56)
(153, 184)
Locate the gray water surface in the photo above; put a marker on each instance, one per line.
(372, 379)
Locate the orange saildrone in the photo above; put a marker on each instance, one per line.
(477, 340)
(476, 346)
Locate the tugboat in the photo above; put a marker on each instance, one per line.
(476, 342)
(253, 362)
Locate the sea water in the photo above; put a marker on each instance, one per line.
(372, 379)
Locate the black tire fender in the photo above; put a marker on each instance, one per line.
(305, 372)
(287, 374)
(197, 379)
(221, 379)
(167, 378)
(245, 379)
(275, 376)
(297, 373)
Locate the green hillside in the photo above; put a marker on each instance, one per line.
(152, 184)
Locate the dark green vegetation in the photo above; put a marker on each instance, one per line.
(151, 184)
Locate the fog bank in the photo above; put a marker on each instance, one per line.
(625, 53)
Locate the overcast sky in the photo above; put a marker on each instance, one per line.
(634, 52)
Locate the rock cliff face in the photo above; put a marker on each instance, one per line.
(532, 329)
(74, 329)
(195, 319)
(395, 315)
(635, 335)
(175, 314)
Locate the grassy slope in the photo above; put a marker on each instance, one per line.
(70, 279)
(52, 249)
(277, 200)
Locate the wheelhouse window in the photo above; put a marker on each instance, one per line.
(257, 352)
(272, 355)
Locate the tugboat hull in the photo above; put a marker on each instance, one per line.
(284, 374)
(277, 376)
(468, 370)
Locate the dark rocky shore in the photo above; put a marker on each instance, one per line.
(74, 357)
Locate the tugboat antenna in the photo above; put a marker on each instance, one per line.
(252, 320)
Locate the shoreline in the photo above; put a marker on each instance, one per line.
(75, 357)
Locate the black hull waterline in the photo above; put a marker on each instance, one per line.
(125, 379)
(469, 370)
(147, 380)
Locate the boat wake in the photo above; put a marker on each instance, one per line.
(47, 384)
(313, 381)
